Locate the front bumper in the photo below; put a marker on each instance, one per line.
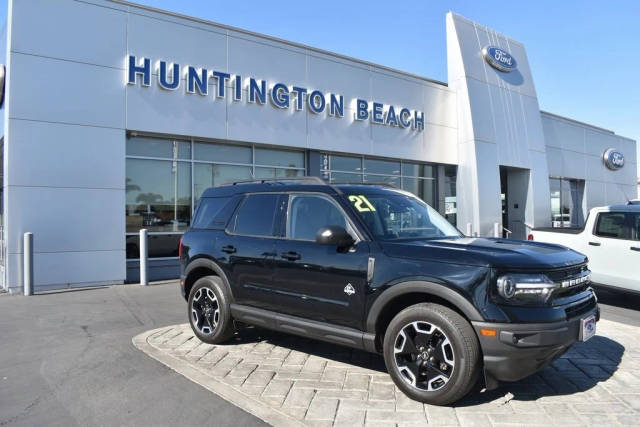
(519, 350)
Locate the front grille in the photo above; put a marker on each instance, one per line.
(580, 308)
(561, 275)
(566, 273)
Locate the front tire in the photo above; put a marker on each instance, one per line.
(209, 312)
(432, 354)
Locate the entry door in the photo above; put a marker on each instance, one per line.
(314, 281)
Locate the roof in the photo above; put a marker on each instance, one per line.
(631, 206)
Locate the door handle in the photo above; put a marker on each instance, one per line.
(594, 244)
(635, 248)
(230, 249)
(291, 256)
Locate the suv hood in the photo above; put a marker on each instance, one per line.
(487, 252)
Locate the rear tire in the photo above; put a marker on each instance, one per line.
(209, 312)
(432, 354)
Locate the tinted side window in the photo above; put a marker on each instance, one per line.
(308, 213)
(256, 215)
(611, 225)
(635, 226)
(207, 211)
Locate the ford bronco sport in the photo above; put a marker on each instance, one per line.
(375, 268)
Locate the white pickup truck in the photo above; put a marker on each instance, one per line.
(611, 240)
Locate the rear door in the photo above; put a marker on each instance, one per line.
(611, 260)
(314, 281)
(247, 248)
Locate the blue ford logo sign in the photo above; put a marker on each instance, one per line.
(499, 58)
(613, 159)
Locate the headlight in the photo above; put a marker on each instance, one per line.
(525, 289)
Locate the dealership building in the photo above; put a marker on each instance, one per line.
(117, 117)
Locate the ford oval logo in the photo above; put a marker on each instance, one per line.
(499, 58)
(613, 159)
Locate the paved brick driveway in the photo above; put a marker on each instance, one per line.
(287, 380)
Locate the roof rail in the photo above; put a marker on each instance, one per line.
(301, 179)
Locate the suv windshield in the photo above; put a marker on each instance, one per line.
(396, 216)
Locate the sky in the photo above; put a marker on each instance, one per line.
(584, 55)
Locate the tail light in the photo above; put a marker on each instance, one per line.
(530, 237)
(180, 249)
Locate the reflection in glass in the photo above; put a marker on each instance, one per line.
(345, 178)
(158, 195)
(159, 245)
(383, 179)
(346, 164)
(208, 175)
(221, 153)
(423, 188)
(290, 159)
(265, 173)
(381, 166)
(157, 147)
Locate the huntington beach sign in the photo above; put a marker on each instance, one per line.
(220, 85)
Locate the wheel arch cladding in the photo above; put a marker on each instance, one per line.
(200, 268)
(402, 295)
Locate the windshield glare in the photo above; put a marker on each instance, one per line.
(400, 216)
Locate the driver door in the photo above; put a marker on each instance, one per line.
(319, 282)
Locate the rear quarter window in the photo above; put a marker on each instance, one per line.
(208, 212)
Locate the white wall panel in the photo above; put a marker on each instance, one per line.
(82, 94)
(175, 112)
(67, 219)
(339, 134)
(554, 161)
(440, 106)
(266, 124)
(334, 76)
(396, 142)
(397, 91)
(61, 155)
(61, 269)
(70, 30)
(179, 43)
(251, 58)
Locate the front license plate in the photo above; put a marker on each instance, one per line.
(588, 328)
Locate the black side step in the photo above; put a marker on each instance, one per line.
(304, 327)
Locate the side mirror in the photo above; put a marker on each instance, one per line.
(334, 235)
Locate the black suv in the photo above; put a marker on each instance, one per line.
(375, 268)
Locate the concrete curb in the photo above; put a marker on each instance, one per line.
(255, 407)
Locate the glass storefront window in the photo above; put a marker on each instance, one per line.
(289, 159)
(158, 195)
(224, 153)
(346, 178)
(385, 167)
(566, 202)
(423, 188)
(266, 173)
(383, 179)
(206, 175)
(450, 197)
(157, 147)
(346, 164)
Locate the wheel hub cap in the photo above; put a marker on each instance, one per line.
(424, 356)
(205, 311)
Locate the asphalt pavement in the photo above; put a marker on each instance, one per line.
(66, 359)
(619, 306)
